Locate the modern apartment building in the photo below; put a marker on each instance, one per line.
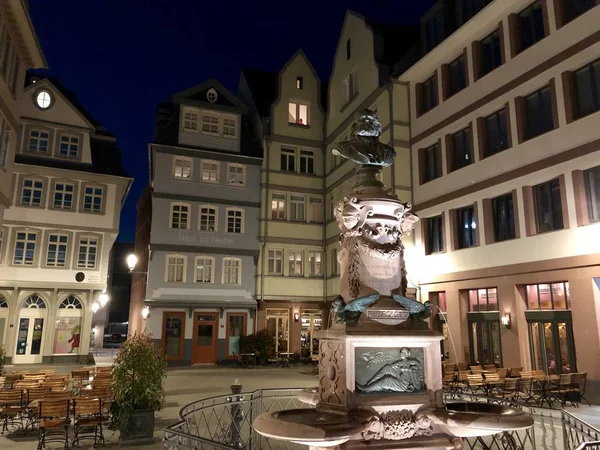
(506, 180)
(67, 195)
(198, 228)
(19, 51)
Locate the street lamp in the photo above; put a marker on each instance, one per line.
(145, 312)
(95, 307)
(103, 298)
(131, 262)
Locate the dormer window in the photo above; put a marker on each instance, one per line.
(299, 82)
(298, 113)
(69, 146)
(210, 124)
(38, 141)
(229, 126)
(43, 99)
(190, 120)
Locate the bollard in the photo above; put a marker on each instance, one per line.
(237, 416)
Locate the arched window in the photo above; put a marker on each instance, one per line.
(34, 301)
(3, 303)
(71, 302)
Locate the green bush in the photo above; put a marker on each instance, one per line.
(260, 343)
(2, 360)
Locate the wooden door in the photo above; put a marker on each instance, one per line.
(204, 345)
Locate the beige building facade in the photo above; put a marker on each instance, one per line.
(506, 180)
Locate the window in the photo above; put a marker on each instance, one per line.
(548, 207)
(38, 141)
(435, 235)
(350, 87)
(69, 146)
(591, 178)
(348, 49)
(548, 296)
(208, 218)
(57, 250)
(288, 160)
(88, 249)
(538, 113)
(307, 161)
(471, 7)
(299, 83)
(71, 302)
(32, 192)
(43, 99)
(330, 210)
(503, 215)
(92, 199)
(173, 332)
(314, 261)
(431, 163)
(491, 53)
(4, 142)
(275, 262)
(481, 300)
(24, 248)
(236, 174)
(429, 94)
(315, 209)
(182, 168)
(190, 120)
(496, 134)
(461, 149)
(176, 268)
(295, 263)
(1, 242)
(180, 214)
(434, 31)
(587, 89)
(205, 266)
(297, 208)
(229, 125)
(278, 206)
(298, 113)
(466, 224)
(210, 124)
(236, 329)
(209, 171)
(575, 8)
(235, 220)
(231, 270)
(63, 196)
(457, 76)
(531, 25)
(334, 262)
(34, 301)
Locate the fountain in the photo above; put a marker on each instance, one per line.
(380, 380)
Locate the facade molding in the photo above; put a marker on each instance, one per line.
(200, 152)
(281, 139)
(208, 200)
(302, 190)
(175, 248)
(292, 241)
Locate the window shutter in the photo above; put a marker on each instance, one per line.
(513, 34)
(501, 37)
(466, 64)
(421, 165)
(529, 209)
(476, 51)
(440, 170)
(559, 13)
(488, 221)
(544, 5)
(568, 83)
(581, 206)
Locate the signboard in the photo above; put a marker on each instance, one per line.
(67, 335)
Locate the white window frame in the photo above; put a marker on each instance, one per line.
(236, 177)
(295, 257)
(242, 217)
(33, 189)
(191, 120)
(350, 87)
(308, 155)
(5, 133)
(178, 170)
(207, 164)
(296, 105)
(216, 215)
(297, 201)
(239, 271)
(1, 243)
(64, 193)
(312, 263)
(69, 143)
(275, 254)
(172, 212)
(93, 195)
(278, 209)
(58, 244)
(290, 154)
(208, 120)
(168, 265)
(229, 126)
(211, 268)
(24, 261)
(315, 209)
(88, 246)
(39, 139)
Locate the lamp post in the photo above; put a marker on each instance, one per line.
(131, 262)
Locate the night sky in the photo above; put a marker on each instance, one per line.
(123, 57)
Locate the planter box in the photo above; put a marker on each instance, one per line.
(140, 429)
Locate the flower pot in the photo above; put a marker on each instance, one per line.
(139, 429)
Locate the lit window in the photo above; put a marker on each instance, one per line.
(278, 206)
(298, 113)
(307, 161)
(208, 218)
(176, 268)
(38, 141)
(229, 127)
(548, 296)
(210, 124)
(31, 194)
(209, 171)
(231, 270)
(314, 260)
(350, 87)
(481, 300)
(92, 199)
(348, 49)
(275, 262)
(43, 99)
(63, 196)
(205, 269)
(299, 83)
(24, 248)
(57, 250)
(295, 263)
(236, 174)
(190, 121)
(88, 250)
(297, 208)
(591, 178)
(466, 227)
(235, 220)
(180, 216)
(69, 146)
(315, 210)
(182, 168)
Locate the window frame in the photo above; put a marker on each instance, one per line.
(275, 253)
(430, 83)
(168, 264)
(233, 125)
(278, 210)
(516, 24)
(297, 104)
(428, 234)
(308, 156)
(487, 299)
(532, 125)
(594, 74)
(458, 237)
(48, 140)
(458, 64)
(453, 158)
(311, 209)
(243, 173)
(195, 118)
(334, 271)
(482, 70)
(241, 218)
(228, 332)
(484, 133)
(88, 246)
(102, 197)
(33, 188)
(69, 142)
(295, 253)
(294, 203)
(177, 159)
(210, 115)
(591, 217)
(239, 270)
(172, 205)
(434, 149)
(350, 86)
(35, 241)
(212, 269)
(54, 187)
(216, 217)
(494, 235)
(287, 155)
(549, 186)
(165, 316)
(566, 289)
(211, 162)
(55, 264)
(312, 254)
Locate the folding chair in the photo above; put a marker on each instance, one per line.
(54, 422)
(12, 408)
(88, 421)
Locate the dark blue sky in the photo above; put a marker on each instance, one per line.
(123, 57)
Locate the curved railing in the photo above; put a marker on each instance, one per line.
(225, 423)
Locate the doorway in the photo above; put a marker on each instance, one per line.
(30, 331)
(278, 328)
(312, 322)
(484, 338)
(204, 348)
(551, 343)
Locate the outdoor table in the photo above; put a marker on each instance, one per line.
(546, 385)
(248, 359)
(285, 358)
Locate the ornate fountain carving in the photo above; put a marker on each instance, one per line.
(397, 425)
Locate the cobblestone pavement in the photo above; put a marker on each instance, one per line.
(184, 386)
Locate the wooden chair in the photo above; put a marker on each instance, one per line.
(578, 383)
(475, 383)
(88, 421)
(515, 372)
(12, 407)
(11, 379)
(476, 368)
(490, 367)
(80, 378)
(510, 389)
(39, 377)
(462, 367)
(54, 422)
(525, 393)
(563, 391)
(55, 384)
(502, 372)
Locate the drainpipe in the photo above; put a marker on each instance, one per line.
(412, 178)
(325, 258)
(267, 135)
(390, 89)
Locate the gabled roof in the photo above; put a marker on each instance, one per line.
(197, 95)
(263, 89)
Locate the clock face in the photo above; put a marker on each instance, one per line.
(43, 99)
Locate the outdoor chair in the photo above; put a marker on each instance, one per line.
(510, 389)
(80, 378)
(578, 383)
(54, 422)
(39, 377)
(88, 421)
(11, 379)
(564, 390)
(54, 384)
(503, 372)
(490, 367)
(12, 408)
(476, 368)
(475, 383)
(515, 372)
(462, 367)
(525, 390)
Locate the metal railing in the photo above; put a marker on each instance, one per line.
(225, 423)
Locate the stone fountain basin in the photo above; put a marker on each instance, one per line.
(309, 396)
(470, 419)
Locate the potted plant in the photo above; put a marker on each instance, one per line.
(138, 373)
